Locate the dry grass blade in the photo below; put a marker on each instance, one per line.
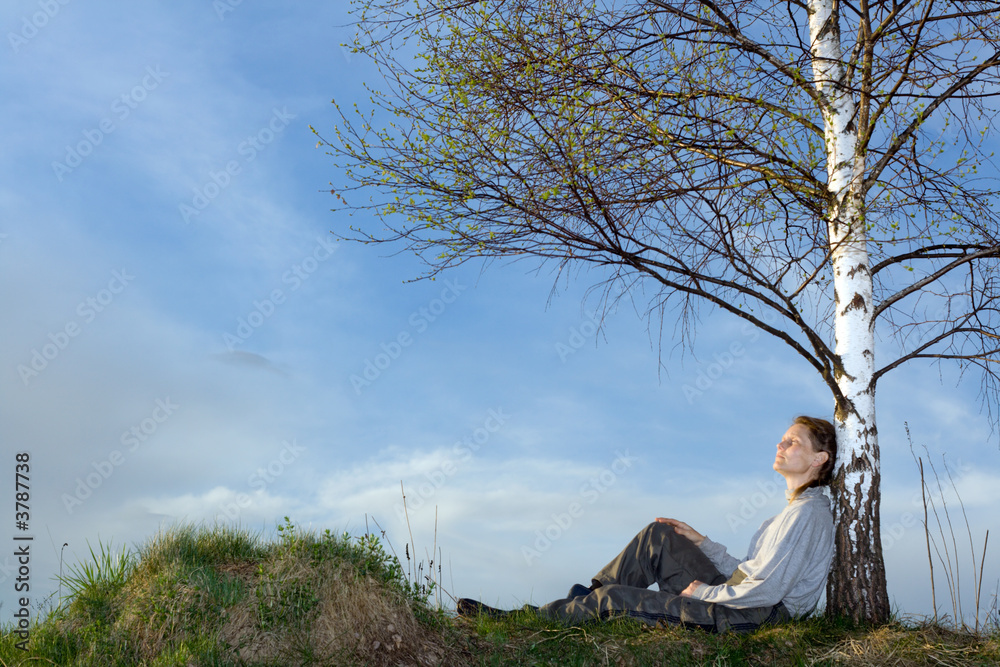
(896, 646)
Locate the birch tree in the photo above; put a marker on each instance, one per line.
(820, 169)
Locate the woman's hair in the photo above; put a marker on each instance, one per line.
(824, 439)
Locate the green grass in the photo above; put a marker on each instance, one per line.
(222, 596)
(527, 640)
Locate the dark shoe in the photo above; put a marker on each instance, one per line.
(469, 607)
(578, 591)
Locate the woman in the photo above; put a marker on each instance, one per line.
(700, 584)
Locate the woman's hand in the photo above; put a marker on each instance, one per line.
(682, 528)
(692, 587)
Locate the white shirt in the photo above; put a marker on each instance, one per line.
(789, 559)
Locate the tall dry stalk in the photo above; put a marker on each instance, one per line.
(979, 586)
(927, 534)
(415, 571)
(977, 581)
(406, 514)
(952, 570)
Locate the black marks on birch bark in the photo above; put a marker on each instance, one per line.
(858, 302)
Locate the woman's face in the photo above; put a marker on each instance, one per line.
(795, 456)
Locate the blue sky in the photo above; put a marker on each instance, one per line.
(183, 341)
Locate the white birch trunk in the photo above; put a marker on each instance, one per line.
(857, 584)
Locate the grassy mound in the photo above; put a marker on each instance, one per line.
(219, 596)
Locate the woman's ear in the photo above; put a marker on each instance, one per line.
(821, 458)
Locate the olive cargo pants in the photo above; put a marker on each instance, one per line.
(661, 556)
